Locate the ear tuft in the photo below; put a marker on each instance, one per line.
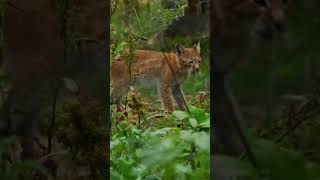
(197, 47)
(179, 49)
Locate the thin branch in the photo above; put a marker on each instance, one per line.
(90, 40)
(15, 7)
(295, 126)
(115, 5)
(53, 154)
(193, 156)
(155, 116)
(300, 121)
(53, 117)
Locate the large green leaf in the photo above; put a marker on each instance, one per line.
(313, 171)
(225, 167)
(180, 115)
(276, 162)
(199, 114)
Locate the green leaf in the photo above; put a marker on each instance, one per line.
(180, 115)
(227, 167)
(120, 47)
(70, 85)
(313, 171)
(278, 163)
(116, 175)
(126, 168)
(193, 122)
(205, 124)
(114, 143)
(202, 140)
(199, 114)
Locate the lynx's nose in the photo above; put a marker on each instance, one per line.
(196, 68)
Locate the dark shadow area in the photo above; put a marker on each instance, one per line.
(53, 90)
(265, 89)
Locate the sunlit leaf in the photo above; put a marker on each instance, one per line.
(180, 115)
(193, 122)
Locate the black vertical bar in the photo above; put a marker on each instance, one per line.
(108, 123)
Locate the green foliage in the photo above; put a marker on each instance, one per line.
(149, 20)
(160, 153)
(168, 15)
(116, 49)
(197, 118)
(273, 162)
(12, 168)
(82, 130)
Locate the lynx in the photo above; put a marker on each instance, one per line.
(234, 21)
(169, 70)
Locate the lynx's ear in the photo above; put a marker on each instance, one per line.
(179, 49)
(197, 47)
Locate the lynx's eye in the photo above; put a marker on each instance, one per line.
(191, 61)
(262, 3)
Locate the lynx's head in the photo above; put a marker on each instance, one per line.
(272, 19)
(189, 57)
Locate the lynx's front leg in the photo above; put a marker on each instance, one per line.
(178, 96)
(165, 92)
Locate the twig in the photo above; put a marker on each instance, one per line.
(300, 121)
(112, 11)
(295, 126)
(236, 123)
(53, 117)
(90, 40)
(49, 156)
(192, 156)
(14, 6)
(155, 116)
